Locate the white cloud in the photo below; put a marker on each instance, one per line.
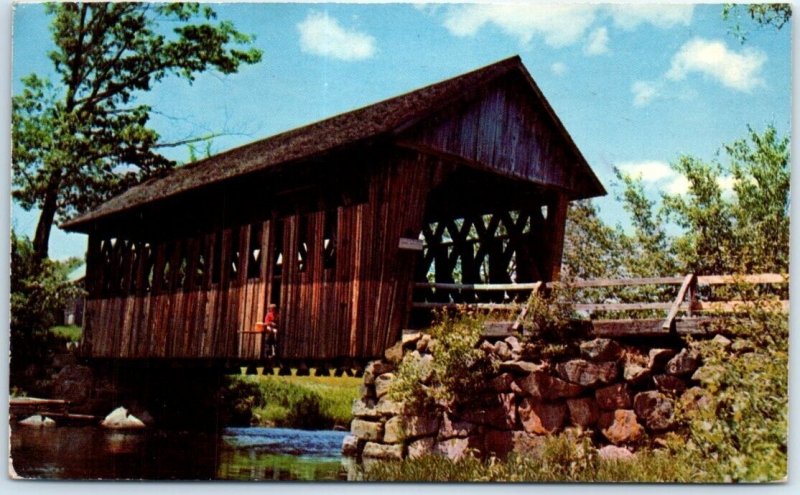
(598, 42)
(643, 92)
(630, 16)
(736, 70)
(678, 185)
(322, 35)
(726, 183)
(558, 25)
(647, 170)
(558, 68)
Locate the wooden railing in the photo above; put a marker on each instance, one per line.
(686, 300)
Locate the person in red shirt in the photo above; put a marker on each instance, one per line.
(271, 324)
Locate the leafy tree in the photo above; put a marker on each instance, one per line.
(83, 139)
(776, 15)
(592, 249)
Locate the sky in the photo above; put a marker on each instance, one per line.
(636, 86)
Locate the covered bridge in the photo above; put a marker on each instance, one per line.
(466, 180)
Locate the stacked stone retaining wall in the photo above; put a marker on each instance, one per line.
(619, 394)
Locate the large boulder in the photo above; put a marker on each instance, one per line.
(501, 414)
(456, 448)
(669, 384)
(620, 427)
(365, 408)
(383, 452)
(451, 427)
(350, 446)
(400, 428)
(382, 384)
(376, 368)
(655, 409)
(587, 373)
(600, 350)
(614, 397)
(583, 411)
(367, 430)
(421, 447)
(542, 417)
(657, 358)
(541, 386)
(121, 419)
(683, 364)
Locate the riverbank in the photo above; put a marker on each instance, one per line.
(304, 402)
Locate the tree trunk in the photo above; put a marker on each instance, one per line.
(41, 240)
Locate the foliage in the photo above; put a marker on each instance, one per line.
(83, 139)
(551, 316)
(561, 459)
(457, 369)
(296, 402)
(71, 333)
(591, 248)
(775, 15)
(742, 436)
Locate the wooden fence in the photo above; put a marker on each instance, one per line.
(699, 312)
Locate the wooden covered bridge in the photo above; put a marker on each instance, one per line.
(467, 180)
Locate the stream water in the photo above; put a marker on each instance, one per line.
(236, 454)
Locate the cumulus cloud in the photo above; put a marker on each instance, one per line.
(643, 92)
(558, 68)
(630, 16)
(322, 35)
(737, 70)
(558, 25)
(598, 42)
(647, 170)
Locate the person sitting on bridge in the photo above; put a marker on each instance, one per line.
(271, 324)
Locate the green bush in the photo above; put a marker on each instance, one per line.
(458, 368)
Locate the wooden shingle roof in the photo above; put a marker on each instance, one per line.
(373, 121)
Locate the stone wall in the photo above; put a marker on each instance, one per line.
(621, 394)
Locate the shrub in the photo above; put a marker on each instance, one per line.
(458, 368)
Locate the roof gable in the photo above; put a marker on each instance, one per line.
(379, 119)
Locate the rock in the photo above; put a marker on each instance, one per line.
(423, 363)
(365, 408)
(527, 443)
(399, 428)
(541, 385)
(455, 448)
(421, 447)
(614, 453)
(634, 373)
(684, 363)
(121, 419)
(366, 430)
(37, 421)
(620, 426)
(586, 373)
(388, 407)
(655, 410)
(451, 428)
(614, 397)
(502, 350)
(383, 383)
(487, 347)
(600, 350)
(73, 383)
(422, 344)
(394, 354)
(410, 340)
(741, 346)
(722, 342)
(583, 411)
(542, 417)
(350, 446)
(502, 383)
(513, 344)
(657, 358)
(521, 367)
(694, 400)
(501, 414)
(367, 391)
(669, 384)
(383, 452)
(375, 369)
(708, 374)
(498, 443)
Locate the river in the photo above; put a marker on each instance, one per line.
(68, 452)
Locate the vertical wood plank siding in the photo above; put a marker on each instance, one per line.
(192, 298)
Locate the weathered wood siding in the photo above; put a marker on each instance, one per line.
(343, 283)
(503, 128)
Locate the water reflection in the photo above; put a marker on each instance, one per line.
(239, 453)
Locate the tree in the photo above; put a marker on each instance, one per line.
(776, 15)
(83, 139)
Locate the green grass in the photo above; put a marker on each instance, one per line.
(71, 333)
(309, 402)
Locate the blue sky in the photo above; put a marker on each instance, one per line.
(635, 85)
